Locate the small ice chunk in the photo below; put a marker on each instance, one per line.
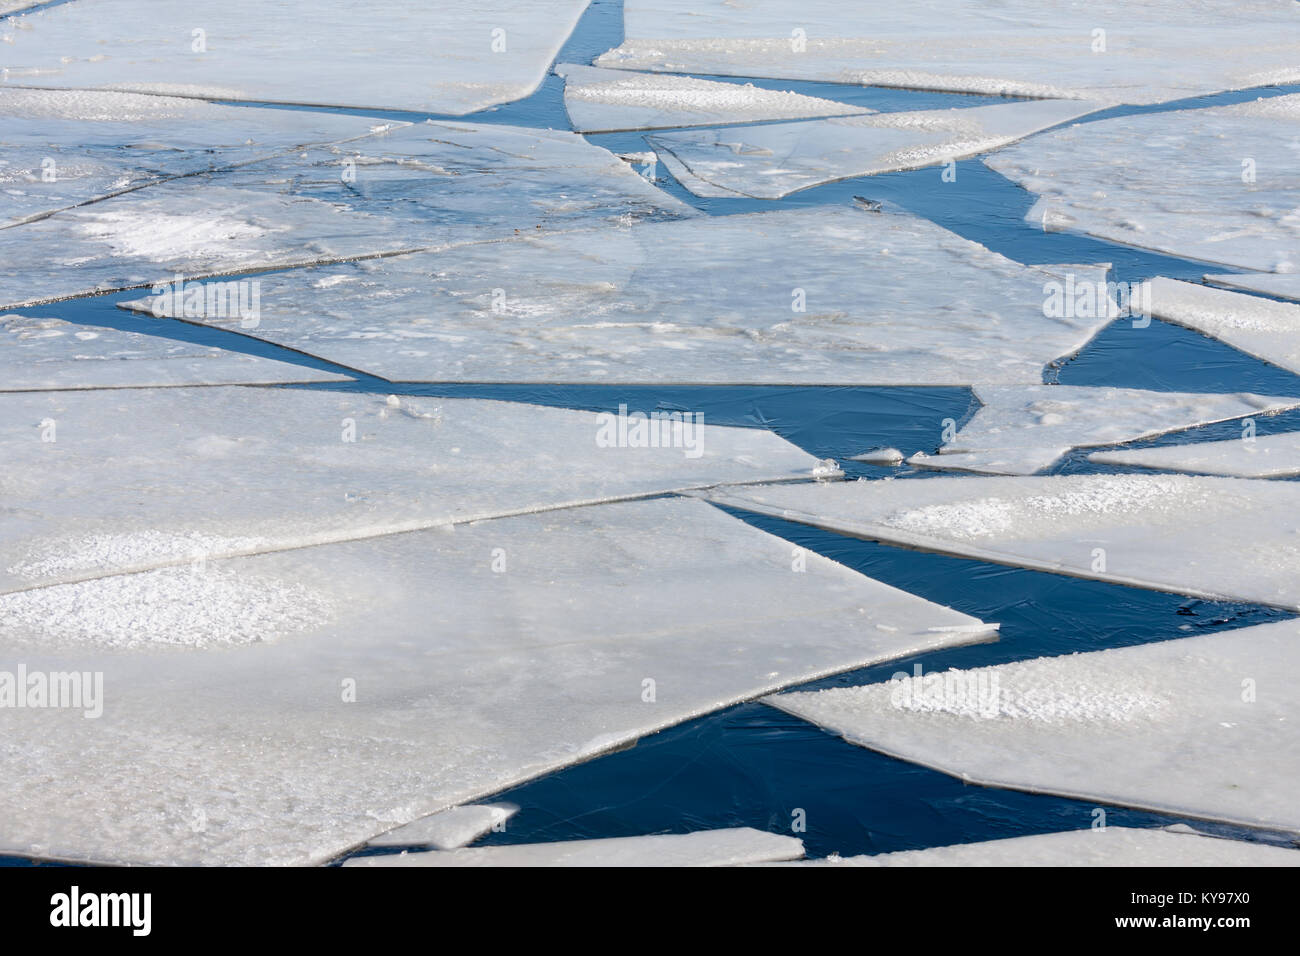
(603, 101)
(730, 847)
(1216, 538)
(1022, 429)
(449, 829)
(1251, 456)
(880, 456)
(1099, 846)
(773, 161)
(1198, 726)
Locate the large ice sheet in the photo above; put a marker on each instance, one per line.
(773, 161)
(391, 678)
(192, 474)
(1022, 429)
(732, 847)
(602, 101)
(61, 148)
(1202, 726)
(1260, 327)
(1279, 285)
(1206, 537)
(1145, 53)
(1217, 185)
(451, 57)
(1253, 456)
(43, 353)
(1100, 846)
(448, 829)
(806, 296)
(423, 186)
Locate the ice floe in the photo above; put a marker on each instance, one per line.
(1251, 456)
(1279, 285)
(1216, 185)
(602, 101)
(731, 847)
(454, 57)
(1107, 50)
(1202, 726)
(772, 161)
(806, 296)
(1022, 429)
(444, 666)
(1206, 537)
(184, 475)
(423, 186)
(45, 353)
(450, 829)
(61, 148)
(1100, 846)
(1260, 327)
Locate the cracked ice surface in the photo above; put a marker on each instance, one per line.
(730, 847)
(1165, 532)
(421, 186)
(887, 298)
(1100, 846)
(1022, 429)
(770, 162)
(608, 100)
(1260, 456)
(1282, 286)
(61, 148)
(1202, 726)
(1217, 185)
(1158, 50)
(42, 353)
(184, 475)
(449, 829)
(453, 57)
(1263, 328)
(429, 680)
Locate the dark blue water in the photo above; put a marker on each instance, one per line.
(752, 765)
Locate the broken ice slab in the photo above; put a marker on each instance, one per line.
(1201, 726)
(1214, 538)
(42, 353)
(1216, 185)
(806, 296)
(109, 481)
(1251, 456)
(773, 161)
(454, 57)
(1108, 50)
(1280, 286)
(287, 707)
(61, 148)
(730, 847)
(1097, 846)
(423, 186)
(1022, 429)
(603, 101)
(449, 829)
(1260, 327)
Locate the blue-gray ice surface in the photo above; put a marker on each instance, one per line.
(1250, 456)
(1260, 327)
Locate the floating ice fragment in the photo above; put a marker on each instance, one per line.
(773, 161)
(1217, 185)
(1100, 846)
(1215, 538)
(730, 847)
(1251, 456)
(1263, 328)
(804, 296)
(449, 829)
(1198, 726)
(1281, 286)
(446, 667)
(880, 456)
(1022, 429)
(602, 101)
